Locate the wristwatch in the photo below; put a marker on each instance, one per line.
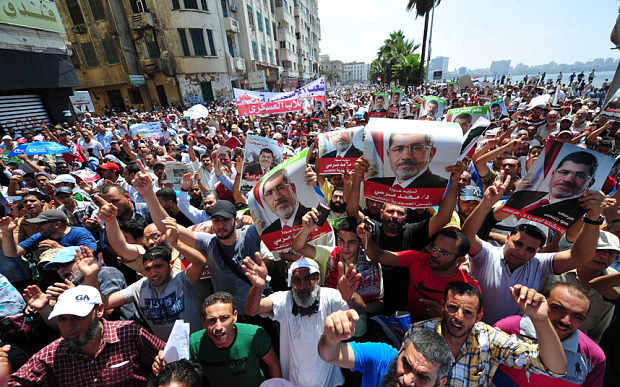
(596, 222)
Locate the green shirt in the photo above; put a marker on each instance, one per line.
(237, 365)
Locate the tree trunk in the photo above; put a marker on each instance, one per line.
(421, 72)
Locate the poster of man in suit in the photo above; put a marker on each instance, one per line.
(407, 160)
(279, 201)
(432, 108)
(261, 155)
(497, 109)
(551, 191)
(380, 103)
(340, 148)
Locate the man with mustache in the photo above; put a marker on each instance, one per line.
(280, 195)
(343, 141)
(409, 156)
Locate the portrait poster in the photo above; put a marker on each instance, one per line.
(317, 110)
(466, 117)
(175, 171)
(396, 97)
(262, 154)
(339, 149)
(404, 111)
(550, 191)
(452, 90)
(278, 202)
(432, 108)
(147, 131)
(612, 108)
(408, 159)
(497, 109)
(380, 103)
(485, 90)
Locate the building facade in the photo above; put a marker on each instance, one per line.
(37, 76)
(357, 72)
(499, 67)
(439, 63)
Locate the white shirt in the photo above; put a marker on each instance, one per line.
(299, 339)
(407, 182)
(343, 153)
(93, 144)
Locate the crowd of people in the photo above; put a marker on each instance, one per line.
(101, 256)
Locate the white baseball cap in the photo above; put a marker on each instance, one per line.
(63, 179)
(78, 301)
(302, 262)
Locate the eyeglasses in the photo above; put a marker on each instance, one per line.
(280, 188)
(578, 175)
(151, 237)
(416, 149)
(442, 252)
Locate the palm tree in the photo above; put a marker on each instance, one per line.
(422, 8)
(393, 49)
(406, 69)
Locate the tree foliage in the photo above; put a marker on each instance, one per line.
(396, 60)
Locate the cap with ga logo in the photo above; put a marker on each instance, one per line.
(78, 301)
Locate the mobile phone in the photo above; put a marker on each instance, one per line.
(370, 227)
(323, 214)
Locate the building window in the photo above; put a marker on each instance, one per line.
(207, 91)
(190, 4)
(90, 54)
(184, 44)
(203, 3)
(152, 49)
(175, 4)
(135, 96)
(263, 51)
(75, 12)
(267, 28)
(231, 45)
(259, 20)
(225, 8)
(211, 43)
(255, 50)
(110, 51)
(250, 17)
(198, 41)
(96, 7)
(282, 45)
(271, 56)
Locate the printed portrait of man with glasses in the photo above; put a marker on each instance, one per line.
(280, 194)
(410, 156)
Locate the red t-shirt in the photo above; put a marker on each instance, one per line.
(424, 283)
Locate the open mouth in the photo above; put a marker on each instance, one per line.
(561, 327)
(456, 326)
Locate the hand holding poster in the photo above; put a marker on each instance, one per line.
(432, 108)
(279, 201)
(466, 116)
(380, 102)
(340, 148)
(497, 110)
(407, 160)
(148, 131)
(262, 154)
(551, 190)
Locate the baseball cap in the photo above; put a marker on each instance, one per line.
(455, 221)
(48, 256)
(64, 178)
(78, 301)
(224, 208)
(66, 190)
(64, 255)
(311, 264)
(471, 192)
(565, 131)
(7, 137)
(577, 101)
(607, 241)
(110, 166)
(49, 216)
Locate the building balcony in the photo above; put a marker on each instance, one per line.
(287, 55)
(141, 21)
(284, 16)
(231, 25)
(290, 73)
(151, 65)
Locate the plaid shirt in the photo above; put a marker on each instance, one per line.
(124, 359)
(83, 209)
(486, 347)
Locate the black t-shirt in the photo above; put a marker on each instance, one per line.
(182, 219)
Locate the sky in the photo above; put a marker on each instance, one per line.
(474, 33)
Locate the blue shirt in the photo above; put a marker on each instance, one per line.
(373, 360)
(77, 236)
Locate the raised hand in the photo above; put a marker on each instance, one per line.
(255, 271)
(340, 325)
(347, 283)
(92, 224)
(347, 176)
(54, 291)
(310, 219)
(7, 224)
(497, 189)
(594, 202)
(531, 303)
(311, 178)
(172, 230)
(87, 263)
(433, 308)
(107, 211)
(35, 298)
(158, 364)
(456, 170)
(361, 167)
(187, 181)
(142, 182)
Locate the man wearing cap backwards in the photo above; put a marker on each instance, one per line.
(75, 211)
(92, 351)
(66, 180)
(53, 233)
(300, 311)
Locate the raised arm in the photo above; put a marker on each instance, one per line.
(9, 247)
(374, 252)
(127, 148)
(89, 266)
(339, 326)
(353, 199)
(448, 203)
(257, 274)
(191, 151)
(197, 260)
(108, 213)
(300, 243)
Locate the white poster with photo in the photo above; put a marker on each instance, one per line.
(432, 108)
(380, 104)
(262, 154)
(339, 149)
(278, 202)
(466, 117)
(408, 159)
(147, 131)
(175, 171)
(497, 109)
(396, 97)
(403, 111)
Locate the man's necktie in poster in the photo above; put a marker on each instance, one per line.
(561, 175)
(340, 148)
(497, 109)
(262, 154)
(408, 160)
(280, 199)
(380, 103)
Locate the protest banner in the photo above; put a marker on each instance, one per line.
(432, 108)
(611, 109)
(550, 191)
(147, 131)
(380, 101)
(466, 116)
(261, 155)
(175, 171)
(339, 149)
(396, 97)
(465, 82)
(255, 102)
(497, 109)
(279, 201)
(408, 160)
(473, 137)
